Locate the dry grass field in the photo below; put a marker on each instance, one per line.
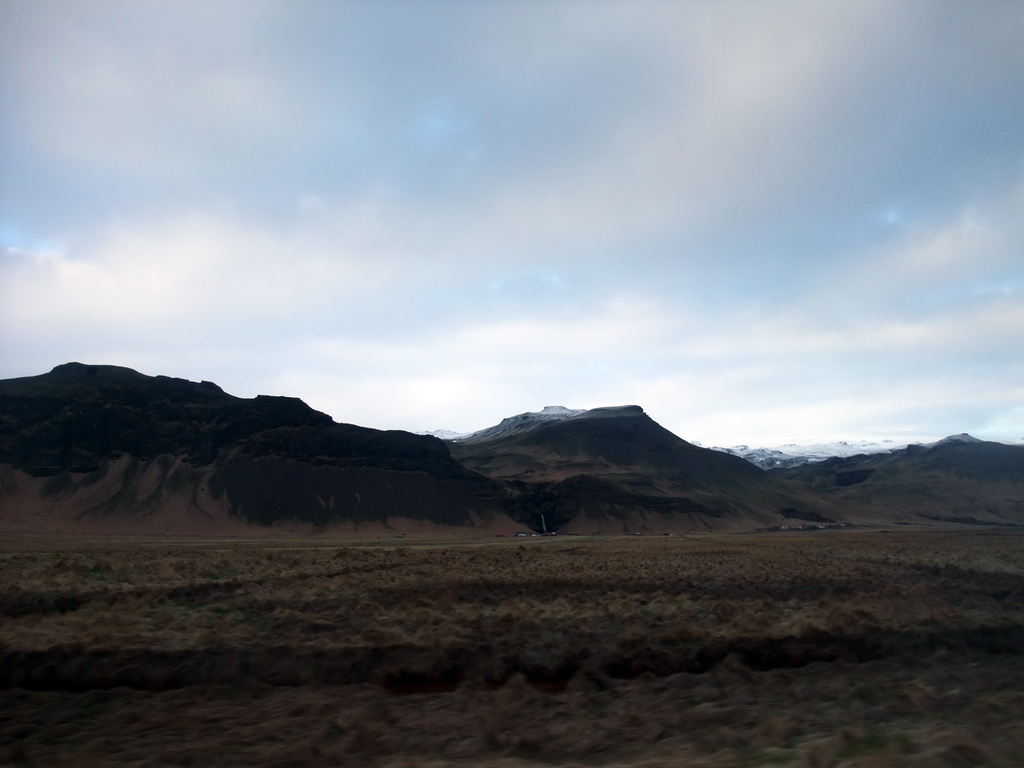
(835, 648)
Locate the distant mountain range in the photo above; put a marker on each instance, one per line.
(958, 479)
(793, 455)
(586, 469)
(107, 449)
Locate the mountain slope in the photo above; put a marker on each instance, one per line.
(88, 444)
(617, 468)
(959, 479)
(523, 422)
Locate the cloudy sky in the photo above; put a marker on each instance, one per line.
(762, 221)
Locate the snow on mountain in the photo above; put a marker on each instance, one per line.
(963, 437)
(793, 455)
(770, 457)
(445, 434)
(521, 423)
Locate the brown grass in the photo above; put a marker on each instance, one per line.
(832, 648)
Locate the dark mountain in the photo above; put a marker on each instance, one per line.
(959, 479)
(98, 442)
(523, 422)
(107, 449)
(615, 468)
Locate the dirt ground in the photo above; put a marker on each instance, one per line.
(826, 648)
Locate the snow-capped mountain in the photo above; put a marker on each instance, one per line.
(769, 457)
(963, 437)
(445, 434)
(521, 423)
(793, 455)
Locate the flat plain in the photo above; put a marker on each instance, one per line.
(823, 648)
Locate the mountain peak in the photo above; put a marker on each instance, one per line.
(523, 422)
(963, 437)
(616, 410)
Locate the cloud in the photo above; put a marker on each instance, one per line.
(752, 219)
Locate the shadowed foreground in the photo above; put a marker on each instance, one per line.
(858, 649)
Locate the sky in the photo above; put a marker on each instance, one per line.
(764, 222)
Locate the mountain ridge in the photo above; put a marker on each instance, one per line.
(102, 442)
(617, 464)
(108, 448)
(957, 479)
(796, 454)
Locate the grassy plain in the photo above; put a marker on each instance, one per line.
(829, 648)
